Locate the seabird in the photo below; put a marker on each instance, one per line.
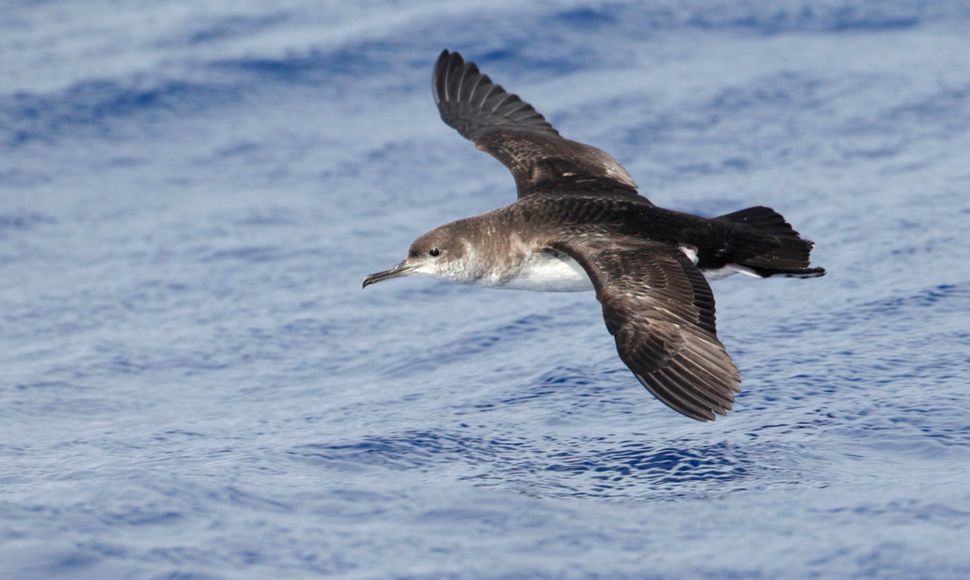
(580, 224)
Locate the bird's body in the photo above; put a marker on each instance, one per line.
(579, 224)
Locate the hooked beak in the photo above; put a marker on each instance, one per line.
(400, 270)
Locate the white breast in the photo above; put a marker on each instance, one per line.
(548, 272)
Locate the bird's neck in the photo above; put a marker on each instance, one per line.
(495, 250)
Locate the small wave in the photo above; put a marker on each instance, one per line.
(469, 345)
(941, 297)
(602, 467)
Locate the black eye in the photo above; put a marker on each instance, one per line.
(433, 252)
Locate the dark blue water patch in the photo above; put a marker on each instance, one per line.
(67, 404)
(942, 298)
(30, 117)
(539, 65)
(638, 475)
(601, 467)
(68, 562)
(305, 328)
(178, 556)
(945, 109)
(137, 516)
(640, 20)
(785, 91)
(236, 497)
(933, 111)
(816, 422)
(911, 510)
(585, 18)
(936, 424)
(928, 298)
(17, 177)
(412, 450)
(909, 251)
(754, 18)
(783, 17)
(12, 222)
(667, 465)
(231, 27)
(365, 59)
(849, 18)
(63, 386)
(332, 70)
(241, 148)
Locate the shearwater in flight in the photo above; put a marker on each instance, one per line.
(579, 224)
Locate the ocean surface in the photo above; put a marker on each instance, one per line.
(193, 384)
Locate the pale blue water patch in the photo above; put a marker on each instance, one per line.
(192, 383)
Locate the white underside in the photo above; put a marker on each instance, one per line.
(547, 272)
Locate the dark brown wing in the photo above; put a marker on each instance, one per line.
(512, 131)
(660, 309)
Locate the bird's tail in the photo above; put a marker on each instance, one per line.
(782, 252)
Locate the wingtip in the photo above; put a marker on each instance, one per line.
(448, 57)
(470, 102)
(439, 77)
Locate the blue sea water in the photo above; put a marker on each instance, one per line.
(193, 385)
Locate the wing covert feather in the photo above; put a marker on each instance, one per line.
(511, 130)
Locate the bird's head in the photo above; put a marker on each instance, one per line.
(442, 253)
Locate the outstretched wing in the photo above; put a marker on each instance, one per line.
(660, 310)
(512, 131)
